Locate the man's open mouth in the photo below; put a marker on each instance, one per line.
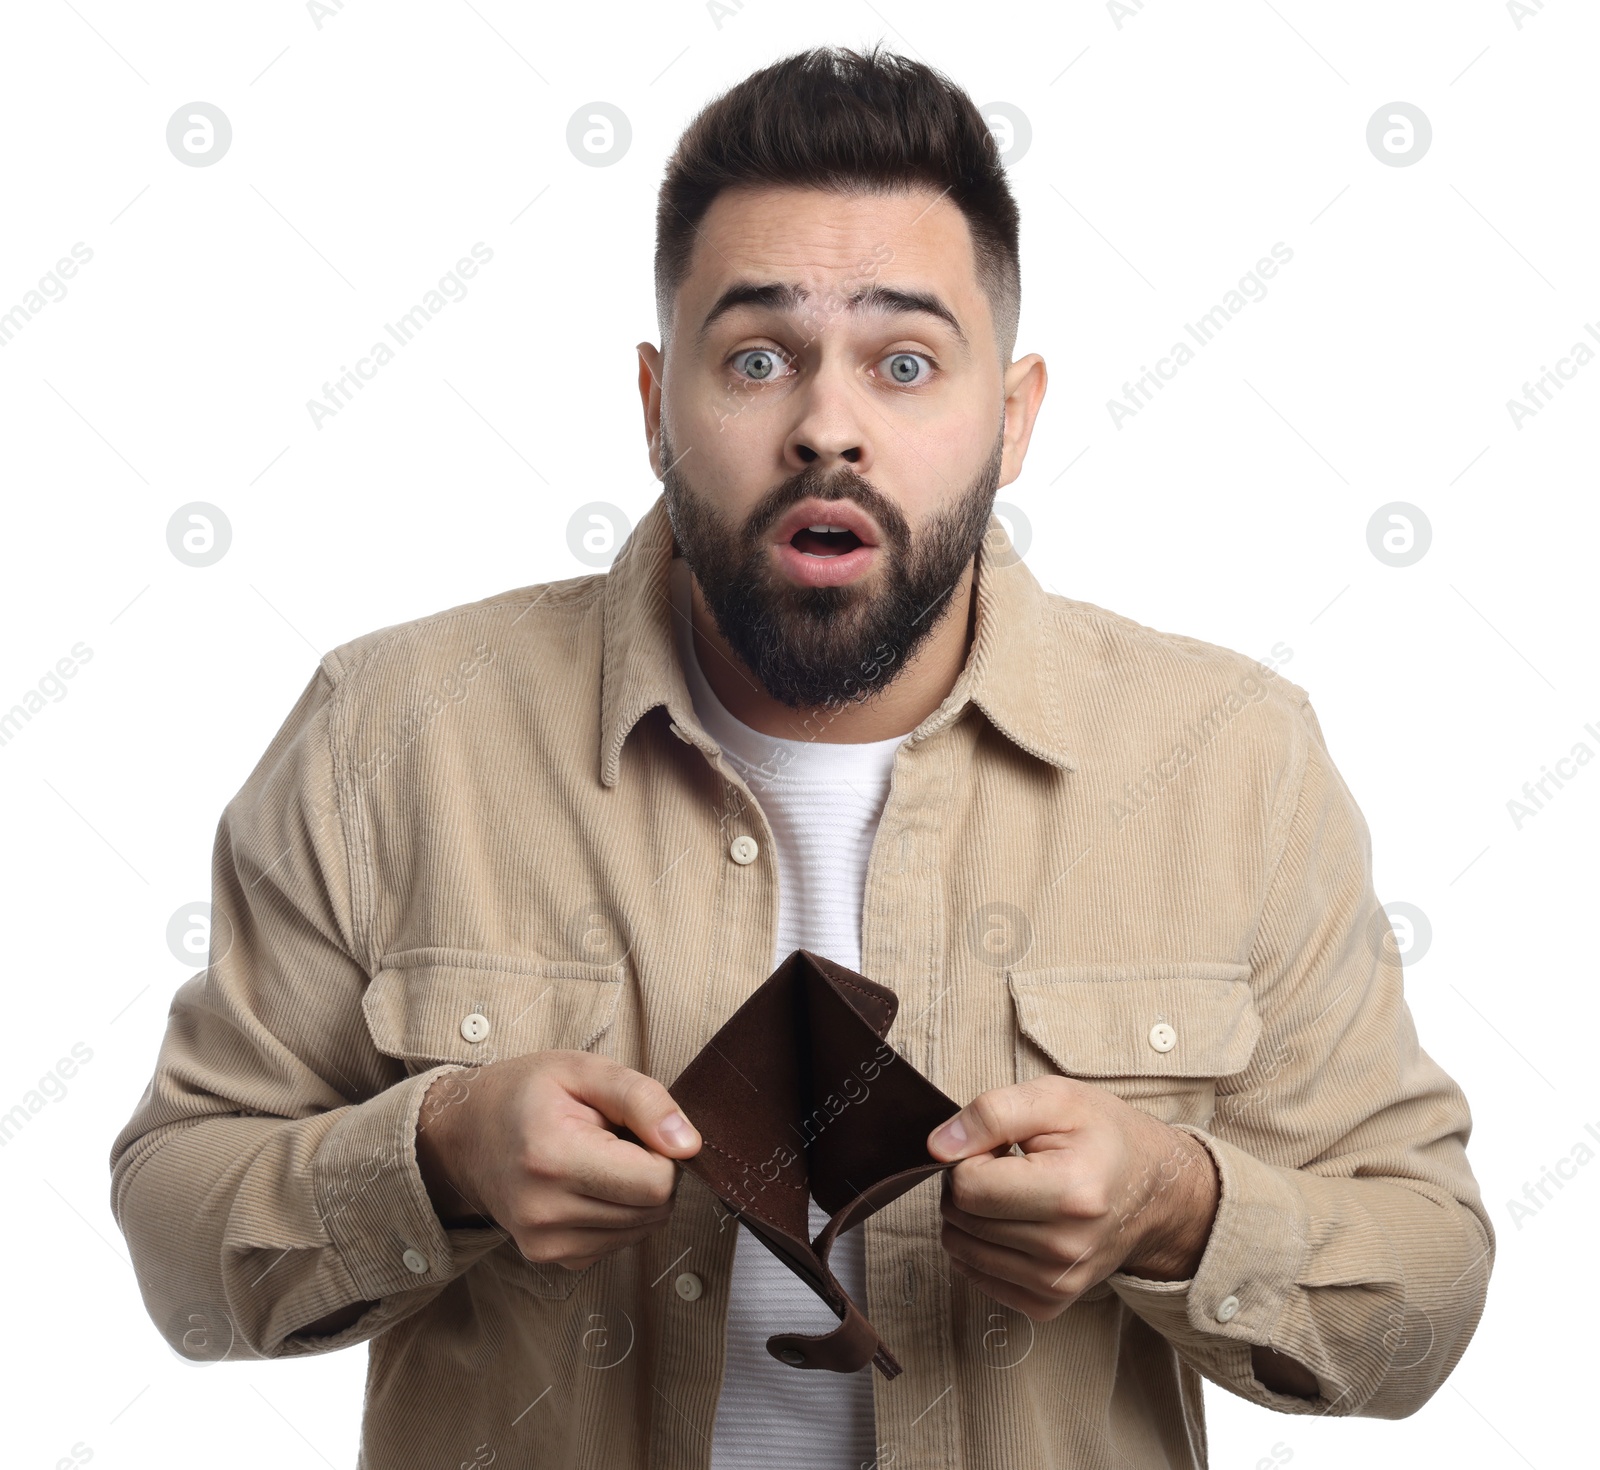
(824, 540)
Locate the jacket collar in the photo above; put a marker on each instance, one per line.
(1011, 672)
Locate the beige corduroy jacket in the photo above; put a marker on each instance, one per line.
(1111, 852)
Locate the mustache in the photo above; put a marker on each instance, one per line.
(815, 482)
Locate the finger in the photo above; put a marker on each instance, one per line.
(594, 1162)
(568, 1209)
(1044, 1186)
(564, 1247)
(1045, 1277)
(636, 1101)
(1031, 1237)
(1009, 1294)
(1007, 1115)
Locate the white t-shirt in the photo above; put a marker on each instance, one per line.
(822, 802)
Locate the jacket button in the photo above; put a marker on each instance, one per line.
(414, 1261)
(474, 1028)
(744, 850)
(1163, 1037)
(688, 1286)
(1227, 1309)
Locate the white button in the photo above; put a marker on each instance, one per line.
(415, 1260)
(1163, 1037)
(1227, 1309)
(688, 1286)
(474, 1027)
(744, 850)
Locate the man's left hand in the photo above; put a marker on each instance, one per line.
(1099, 1187)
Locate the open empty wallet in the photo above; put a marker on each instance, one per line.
(799, 1095)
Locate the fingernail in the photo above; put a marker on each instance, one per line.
(676, 1130)
(951, 1136)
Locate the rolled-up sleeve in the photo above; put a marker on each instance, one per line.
(1349, 1235)
(268, 1177)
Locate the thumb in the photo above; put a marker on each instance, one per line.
(996, 1119)
(641, 1105)
(955, 1138)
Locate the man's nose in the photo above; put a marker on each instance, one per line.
(829, 428)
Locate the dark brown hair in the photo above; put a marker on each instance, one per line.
(832, 118)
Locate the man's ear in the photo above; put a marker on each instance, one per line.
(650, 398)
(1025, 382)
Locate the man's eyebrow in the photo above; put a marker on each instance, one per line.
(785, 296)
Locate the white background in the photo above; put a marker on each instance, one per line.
(1168, 154)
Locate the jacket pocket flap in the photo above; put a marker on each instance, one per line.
(1156, 1019)
(455, 1005)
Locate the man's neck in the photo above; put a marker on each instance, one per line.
(908, 698)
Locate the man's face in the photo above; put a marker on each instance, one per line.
(831, 362)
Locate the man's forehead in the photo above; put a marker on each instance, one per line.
(811, 236)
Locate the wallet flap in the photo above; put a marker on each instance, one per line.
(746, 1092)
(871, 1111)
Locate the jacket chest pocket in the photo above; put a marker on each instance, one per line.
(1158, 1033)
(428, 1006)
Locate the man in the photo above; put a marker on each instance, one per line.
(505, 870)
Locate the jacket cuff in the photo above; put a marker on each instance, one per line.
(1249, 1271)
(373, 1203)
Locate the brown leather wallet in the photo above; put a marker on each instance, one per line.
(799, 1095)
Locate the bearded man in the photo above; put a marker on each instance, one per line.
(506, 869)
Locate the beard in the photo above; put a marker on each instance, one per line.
(812, 646)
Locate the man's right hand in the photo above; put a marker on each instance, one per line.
(526, 1142)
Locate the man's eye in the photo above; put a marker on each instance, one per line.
(908, 369)
(758, 365)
